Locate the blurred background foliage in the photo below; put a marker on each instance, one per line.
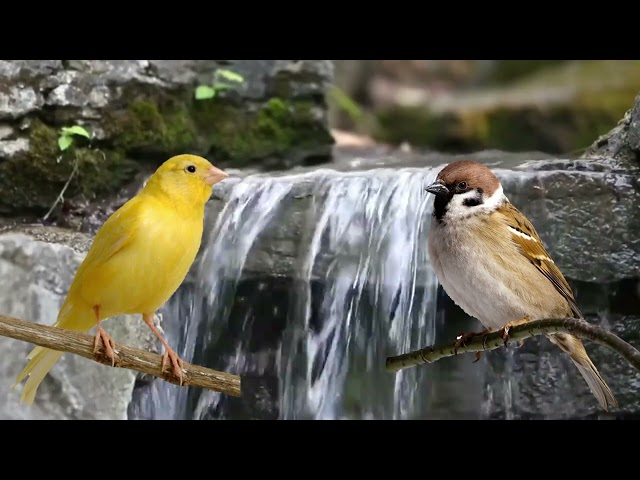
(558, 107)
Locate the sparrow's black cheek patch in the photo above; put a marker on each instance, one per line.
(471, 202)
(440, 206)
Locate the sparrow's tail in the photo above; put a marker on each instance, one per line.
(575, 349)
(41, 359)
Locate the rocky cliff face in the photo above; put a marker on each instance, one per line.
(138, 113)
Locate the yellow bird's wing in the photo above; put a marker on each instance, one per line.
(115, 235)
(117, 232)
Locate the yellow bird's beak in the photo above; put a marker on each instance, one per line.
(215, 175)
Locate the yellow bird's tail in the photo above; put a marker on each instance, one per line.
(41, 359)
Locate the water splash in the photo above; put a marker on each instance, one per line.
(375, 297)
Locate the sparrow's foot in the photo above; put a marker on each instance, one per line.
(107, 341)
(461, 340)
(511, 324)
(176, 363)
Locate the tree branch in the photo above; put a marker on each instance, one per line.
(493, 340)
(81, 344)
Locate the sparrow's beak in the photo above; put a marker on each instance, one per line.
(437, 188)
(214, 175)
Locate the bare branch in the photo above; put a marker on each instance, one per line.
(493, 340)
(126, 357)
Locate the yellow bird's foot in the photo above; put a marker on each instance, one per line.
(107, 341)
(176, 362)
(508, 326)
(169, 354)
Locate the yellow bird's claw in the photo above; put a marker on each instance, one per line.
(176, 363)
(109, 345)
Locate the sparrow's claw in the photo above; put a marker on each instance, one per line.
(508, 326)
(107, 341)
(461, 340)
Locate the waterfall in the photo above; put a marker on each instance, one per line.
(363, 290)
(367, 252)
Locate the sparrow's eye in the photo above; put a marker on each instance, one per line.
(462, 186)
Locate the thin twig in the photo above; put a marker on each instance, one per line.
(493, 340)
(64, 189)
(81, 344)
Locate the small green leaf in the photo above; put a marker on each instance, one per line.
(229, 75)
(204, 92)
(64, 142)
(76, 130)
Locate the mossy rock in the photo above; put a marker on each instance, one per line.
(153, 128)
(223, 129)
(143, 128)
(276, 131)
(32, 181)
(558, 111)
(145, 110)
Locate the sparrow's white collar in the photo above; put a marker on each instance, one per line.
(456, 209)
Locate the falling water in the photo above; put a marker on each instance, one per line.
(364, 290)
(367, 251)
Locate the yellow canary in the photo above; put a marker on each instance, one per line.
(138, 259)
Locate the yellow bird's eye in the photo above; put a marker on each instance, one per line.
(191, 168)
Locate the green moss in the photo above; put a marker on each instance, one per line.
(237, 136)
(31, 181)
(143, 127)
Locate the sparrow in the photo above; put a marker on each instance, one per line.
(491, 262)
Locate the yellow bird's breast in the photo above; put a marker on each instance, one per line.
(144, 274)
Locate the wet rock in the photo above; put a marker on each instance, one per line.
(620, 147)
(141, 112)
(36, 269)
(18, 100)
